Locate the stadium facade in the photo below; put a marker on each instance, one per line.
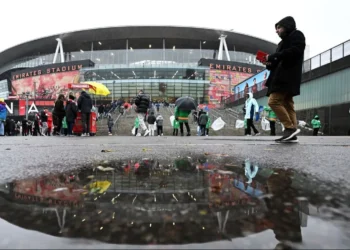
(167, 62)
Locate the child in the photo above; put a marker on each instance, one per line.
(136, 126)
(159, 121)
(110, 123)
(176, 126)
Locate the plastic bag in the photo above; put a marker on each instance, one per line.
(172, 118)
(239, 124)
(133, 130)
(218, 124)
(265, 124)
(302, 124)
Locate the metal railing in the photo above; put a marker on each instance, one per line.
(340, 51)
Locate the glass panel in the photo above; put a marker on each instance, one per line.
(315, 62)
(347, 48)
(337, 52)
(325, 57)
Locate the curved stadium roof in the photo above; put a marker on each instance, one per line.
(139, 37)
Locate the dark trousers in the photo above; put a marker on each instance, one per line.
(70, 128)
(187, 128)
(207, 131)
(273, 128)
(250, 125)
(24, 130)
(176, 131)
(110, 130)
(85, 120)
(315, 133)
(202, 130)
(136, 130)
(58, 124)
(159, 130)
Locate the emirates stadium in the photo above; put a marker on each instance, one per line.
(166, 62)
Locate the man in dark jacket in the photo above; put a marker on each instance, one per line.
(142, 103)
(85, 106)
(285, 76)
(58, 114)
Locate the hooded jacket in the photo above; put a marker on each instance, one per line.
(316, 123)
(85, 102)
(287, 63)
(251, 106)
(159, 120)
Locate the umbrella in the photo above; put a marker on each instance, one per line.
(186, 103)
(98, 88)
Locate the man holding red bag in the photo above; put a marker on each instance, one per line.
(285, 76)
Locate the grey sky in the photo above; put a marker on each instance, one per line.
(324, 22)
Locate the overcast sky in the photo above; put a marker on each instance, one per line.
(325, 23)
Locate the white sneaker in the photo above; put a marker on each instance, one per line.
(138, 134)
(83, 135)
(146, 133)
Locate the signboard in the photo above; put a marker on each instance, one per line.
(230, 66)
(47, 81)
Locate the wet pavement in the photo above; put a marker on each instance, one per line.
(193, 200)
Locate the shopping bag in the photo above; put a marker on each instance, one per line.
(218, 124)
(239, 124)
(172, 118)
(133, 130)
(265, 124)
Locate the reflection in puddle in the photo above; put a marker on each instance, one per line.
(180, 202)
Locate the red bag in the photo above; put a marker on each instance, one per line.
(261, 56)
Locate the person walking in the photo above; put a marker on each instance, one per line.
(252, 108)
(203, 120)
(271, 117)
(85, 106)
(285, 76)
(151, 120)
(58, 114)
(142, 103)
(71, 114)
(182, 117)
(159, 121)
(316, 125)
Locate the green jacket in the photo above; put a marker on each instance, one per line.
(316, 123)
(181, 115)
(208, 123)
(176, 124)
(137, 122)
(270, 114)
(64, 123)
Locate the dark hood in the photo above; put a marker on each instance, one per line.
(85, 95)
(288, 23)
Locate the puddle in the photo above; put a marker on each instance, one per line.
(187, 201)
